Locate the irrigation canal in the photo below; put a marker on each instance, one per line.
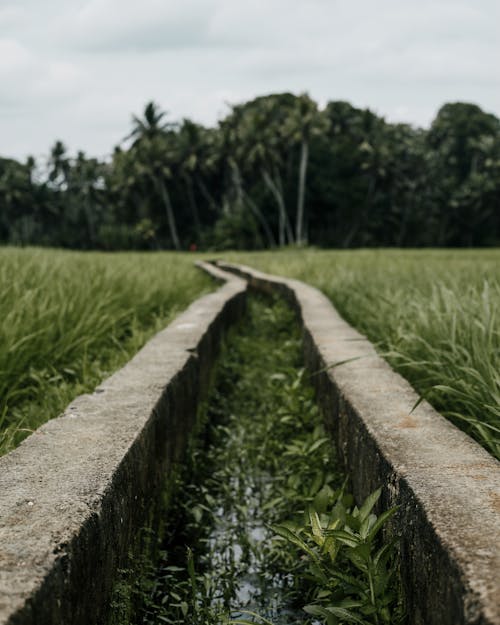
(259, 455)
(260, 461)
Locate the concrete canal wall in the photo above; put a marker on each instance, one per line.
(75, 493)
(447, 486)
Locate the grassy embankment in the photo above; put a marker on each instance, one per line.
(434, 314)
(67, 320)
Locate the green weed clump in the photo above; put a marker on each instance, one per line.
(433, 314)
(67, 320)
(352, 575)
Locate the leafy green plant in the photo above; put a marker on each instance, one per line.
(351, 572)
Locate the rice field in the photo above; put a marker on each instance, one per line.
(433, 314)
(68, 319)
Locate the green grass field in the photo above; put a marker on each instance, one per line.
(434, 314)
(67, 320)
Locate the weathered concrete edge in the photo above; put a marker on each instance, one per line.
(74, 494)
(447, 486)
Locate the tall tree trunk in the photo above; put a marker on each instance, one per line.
(299, 224)
(263, 221)
(243, 198)
(170, 214)
(284, 223)
(206, 193)
(238, 184)
(288, 225)
(281, 217)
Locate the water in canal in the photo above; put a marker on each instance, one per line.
(260, 455)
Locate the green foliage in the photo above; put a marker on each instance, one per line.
(434, 315)
(276, 171)
(235, 229)
(69, 319)
(351, 571)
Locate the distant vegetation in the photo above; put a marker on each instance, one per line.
(435, 315)
(275, 171)
(68, 320)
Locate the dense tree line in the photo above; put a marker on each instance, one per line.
(275, 171)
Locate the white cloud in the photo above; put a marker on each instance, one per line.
(11, 17)
(78, 69)
(118, 25)
(14, 57)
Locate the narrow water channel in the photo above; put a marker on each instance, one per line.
(260, 455)
(260, 458)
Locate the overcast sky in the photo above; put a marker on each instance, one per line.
(76, 70)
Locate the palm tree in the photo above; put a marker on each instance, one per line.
(237, 139)
(59, 164)
(150, 126)
(86, 180)
(259, 144)
(195, 152)
(153, 149)
(301, 125)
